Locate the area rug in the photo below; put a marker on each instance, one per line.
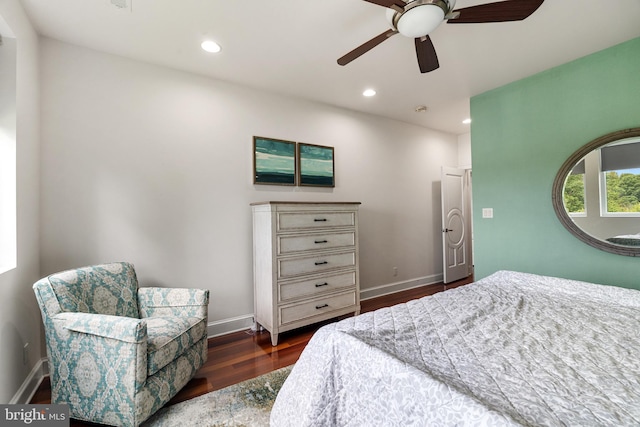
(246, 404)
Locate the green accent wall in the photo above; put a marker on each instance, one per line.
(520, 136)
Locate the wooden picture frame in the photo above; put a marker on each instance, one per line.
(274, 161)
(316, 165)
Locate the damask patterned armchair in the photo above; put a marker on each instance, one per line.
(117, 353)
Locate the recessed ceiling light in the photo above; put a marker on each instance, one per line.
(369, 92)
(466, 121)
(211, 46)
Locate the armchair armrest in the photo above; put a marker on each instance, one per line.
(173, 302)
(120, 328)
(106, 351)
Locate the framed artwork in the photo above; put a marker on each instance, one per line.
(315, 165)
(274, 161)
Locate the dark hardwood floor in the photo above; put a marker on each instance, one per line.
(244, 355)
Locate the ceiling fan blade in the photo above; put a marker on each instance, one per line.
(502, 11)
(365, 47)
(389, 3)
(426, 53)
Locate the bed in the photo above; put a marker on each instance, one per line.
(626, 240)
(510, 349)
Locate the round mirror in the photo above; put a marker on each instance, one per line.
(596, 193)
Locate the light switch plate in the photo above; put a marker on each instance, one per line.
(487, 212)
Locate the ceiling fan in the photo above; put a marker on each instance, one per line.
(418, 18)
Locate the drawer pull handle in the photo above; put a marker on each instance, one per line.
(318, 307)
(321, 241)
(320, 219)
(321, 263)
(319, 285)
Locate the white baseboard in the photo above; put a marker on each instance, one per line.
(392, 288)
(226, 326)
(31, 383)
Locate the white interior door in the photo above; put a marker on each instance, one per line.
(455, 234)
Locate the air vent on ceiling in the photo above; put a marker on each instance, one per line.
(124, 5)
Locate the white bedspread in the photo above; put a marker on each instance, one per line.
(511, 349)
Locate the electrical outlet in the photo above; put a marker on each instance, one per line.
(25, 354)
(395, 271)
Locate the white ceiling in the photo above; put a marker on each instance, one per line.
(291, 47)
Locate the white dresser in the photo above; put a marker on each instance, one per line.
(305, 263)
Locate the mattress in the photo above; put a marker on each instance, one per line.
(510, 349)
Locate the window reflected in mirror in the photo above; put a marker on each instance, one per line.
(602, 192)
(596, 193)
(620, 177)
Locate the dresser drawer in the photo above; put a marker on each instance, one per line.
(291, 244)
(310, 287)
(294, 313)
(288, 221)
(290, 267)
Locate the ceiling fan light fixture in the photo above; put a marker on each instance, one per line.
(420, 20)
(416, 19)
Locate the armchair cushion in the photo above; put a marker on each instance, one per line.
(168, 337)
(172, 302)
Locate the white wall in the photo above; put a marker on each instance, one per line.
(8, 237)
(464, 151)
(154, 166)
(19, 316)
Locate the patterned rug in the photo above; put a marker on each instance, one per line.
(246, 404)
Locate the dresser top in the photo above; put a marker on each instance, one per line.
(271, 202)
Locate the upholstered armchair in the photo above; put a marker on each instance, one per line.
(117, 353)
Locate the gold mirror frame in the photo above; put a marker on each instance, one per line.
(557, 193)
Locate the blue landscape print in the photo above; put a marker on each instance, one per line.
(275, 161)
(316, 165)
